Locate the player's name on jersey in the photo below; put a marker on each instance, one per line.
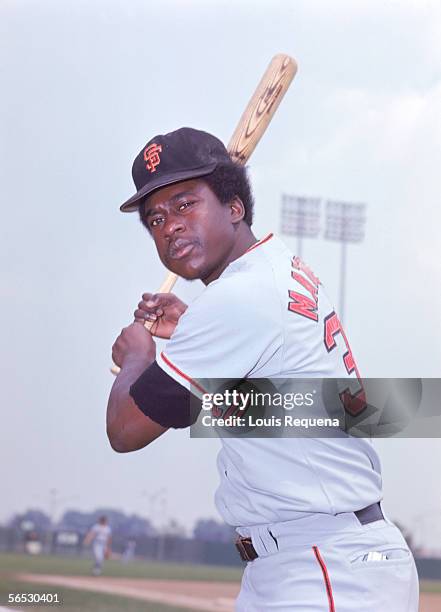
(250, 420)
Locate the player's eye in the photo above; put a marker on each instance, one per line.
(184, 205)
(156, 221)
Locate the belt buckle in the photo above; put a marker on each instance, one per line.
(240, 544)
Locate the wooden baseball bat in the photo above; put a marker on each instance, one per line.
(253, 123)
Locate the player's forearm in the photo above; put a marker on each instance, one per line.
(127, 428)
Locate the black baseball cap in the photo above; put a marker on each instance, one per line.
(169, 158)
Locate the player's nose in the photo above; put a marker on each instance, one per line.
(173, 225)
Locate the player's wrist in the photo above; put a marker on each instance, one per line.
(138, 361)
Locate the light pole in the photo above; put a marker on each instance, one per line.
(344, 223)
(158, 505)
(300, 217)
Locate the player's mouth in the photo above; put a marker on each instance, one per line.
(180, 249)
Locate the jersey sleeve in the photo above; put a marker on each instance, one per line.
(230, 331)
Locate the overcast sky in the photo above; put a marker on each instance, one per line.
(85, 85)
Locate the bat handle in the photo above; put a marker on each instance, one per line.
(166, 287)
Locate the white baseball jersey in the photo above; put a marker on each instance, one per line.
(266, 316)
(101, 534)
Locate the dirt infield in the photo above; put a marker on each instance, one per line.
(430, 602)
(194, 595)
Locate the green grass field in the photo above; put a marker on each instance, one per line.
(86, 601)
(430, 586)
(50, 564)
(73, 600)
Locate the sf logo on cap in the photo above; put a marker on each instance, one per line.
(151, 156)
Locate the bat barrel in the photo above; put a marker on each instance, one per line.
(262, 107)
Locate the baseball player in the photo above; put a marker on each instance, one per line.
(100, 536)
(307, 510)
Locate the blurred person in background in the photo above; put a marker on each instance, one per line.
(100, 536)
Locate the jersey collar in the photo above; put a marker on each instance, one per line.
(259, 242)
(237, 262)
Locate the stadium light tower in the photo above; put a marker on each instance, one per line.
(344, 223)
(300, 217)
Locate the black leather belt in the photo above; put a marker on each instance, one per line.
(367, 515)
(370, 514)
(246, 549)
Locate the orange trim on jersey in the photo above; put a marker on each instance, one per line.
(178, 371)
(325, 577)
(256, 244)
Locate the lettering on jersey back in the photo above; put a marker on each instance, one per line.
(353, 402)
(332, 327)
(304, 305)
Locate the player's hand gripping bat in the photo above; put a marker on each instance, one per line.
(252, 125)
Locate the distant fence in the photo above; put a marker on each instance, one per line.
(161, 548)
(429, 569)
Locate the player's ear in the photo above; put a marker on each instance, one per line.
(237, 209)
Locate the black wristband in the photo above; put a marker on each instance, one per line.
(163, 399)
